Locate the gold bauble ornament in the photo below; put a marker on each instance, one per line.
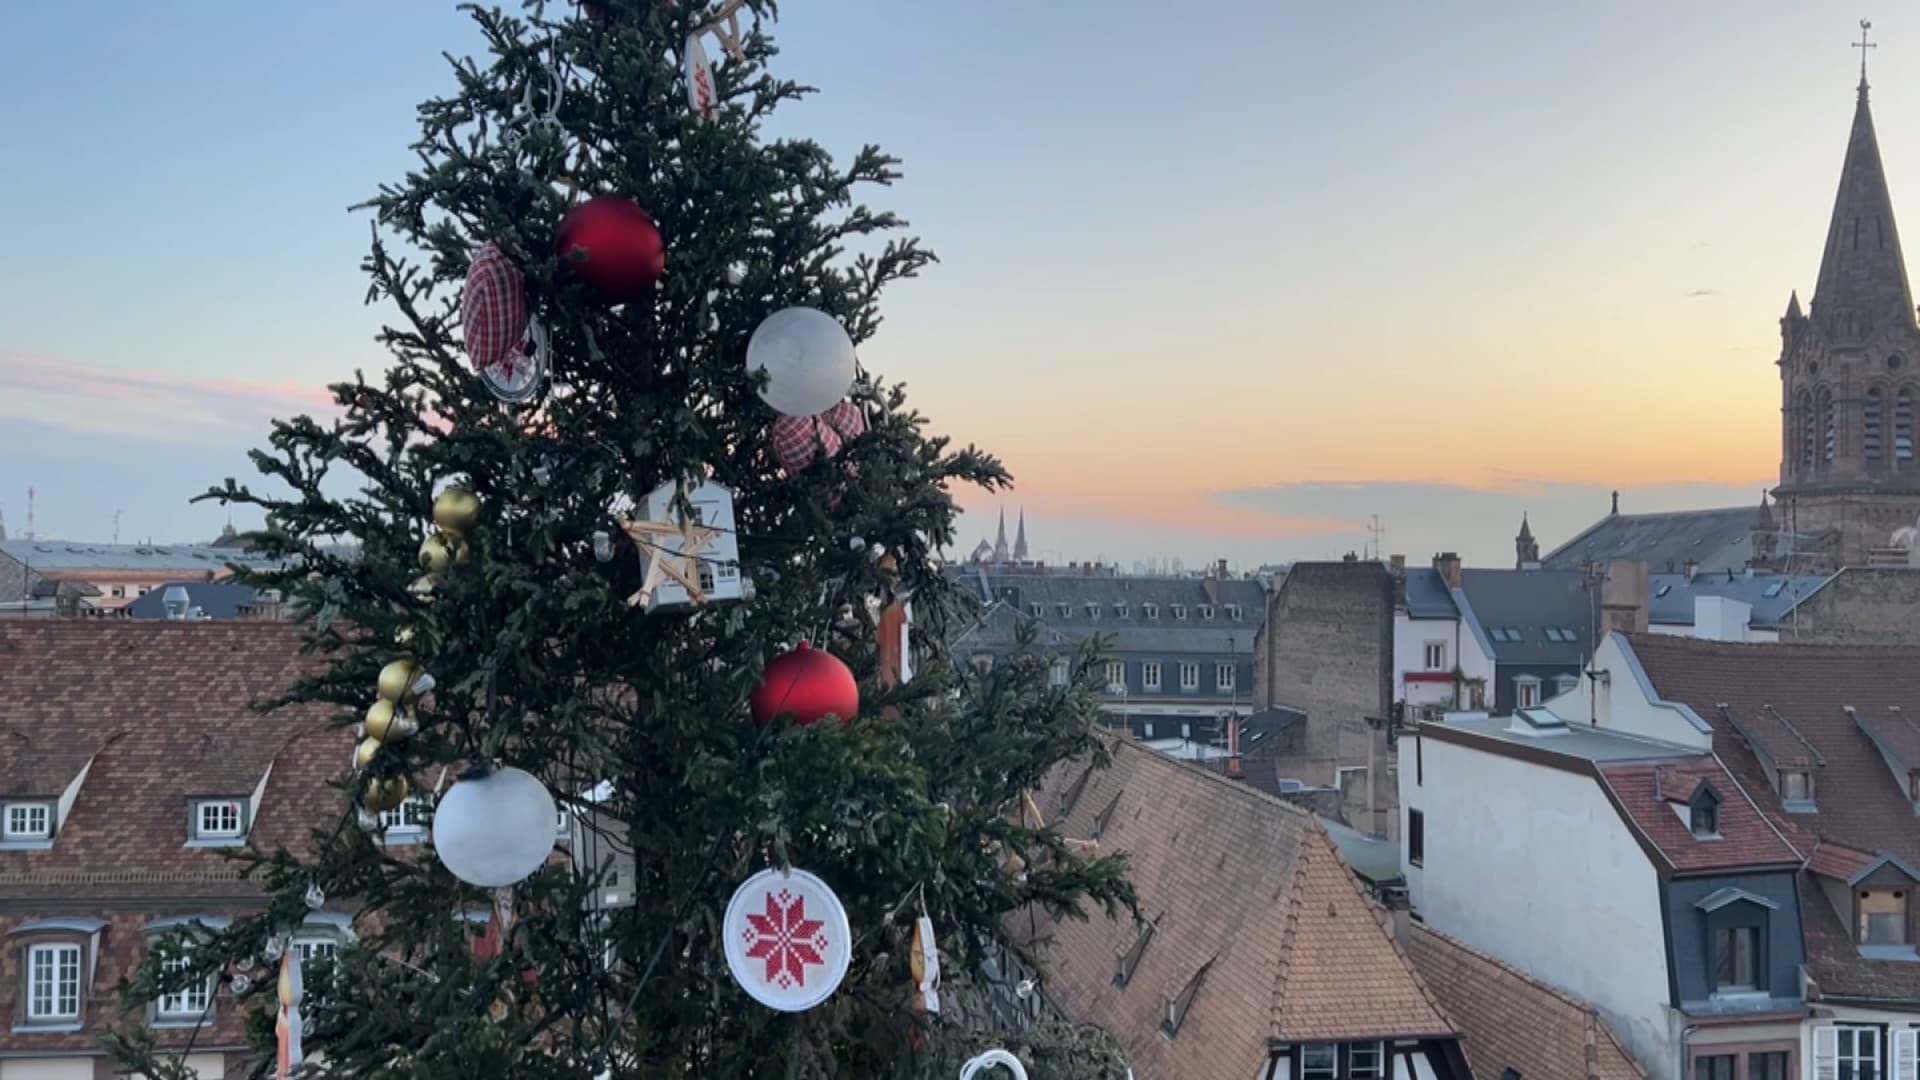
(456, 510)
(363, 754)
(396, 681)
(386, 723)
(384, 793)
(440, 552)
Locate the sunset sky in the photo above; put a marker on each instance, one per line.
(1219, 279)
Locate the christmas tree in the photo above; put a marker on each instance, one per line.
(619, 519)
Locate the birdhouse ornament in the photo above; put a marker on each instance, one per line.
(688, 560)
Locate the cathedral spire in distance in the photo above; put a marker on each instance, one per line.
(1000, 539)
(1020, 538)
(1863, 278)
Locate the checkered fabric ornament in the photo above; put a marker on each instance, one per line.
(787, 939)
(797, 440)
(494, 309)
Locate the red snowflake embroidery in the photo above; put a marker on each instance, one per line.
(788, 940)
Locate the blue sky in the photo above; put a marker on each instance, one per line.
(1219, 278)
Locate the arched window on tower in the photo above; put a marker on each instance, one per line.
(1804, 411)
(1903, 425)
(1829, 426)
(1870, 420)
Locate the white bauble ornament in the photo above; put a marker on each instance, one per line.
(808, 358)
(496, 829)
(787, 939)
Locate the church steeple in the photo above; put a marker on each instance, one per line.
(1020, 538)
(1526, 549)
(1000, 539)
(1863, 278)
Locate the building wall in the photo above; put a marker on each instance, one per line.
(1327, 648)
(1861, 606)
(1623, 705)
(1500, 874)
(1410, 638)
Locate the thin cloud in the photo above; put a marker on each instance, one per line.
(153, 404)
(1702, 292)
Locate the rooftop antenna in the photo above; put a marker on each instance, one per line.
(1377, 531)
(116, 526)
(30, 494)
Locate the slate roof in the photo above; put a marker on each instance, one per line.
(215, 599)
(17, 581)
(1244, 885)
(160, 709)
(1428, 596)
(1718, 540)
(1529, 602)
(56, 556)
(1648, 793)
(1772, 596)
(1136, 632)
(1862, 808)
(1511, 1021)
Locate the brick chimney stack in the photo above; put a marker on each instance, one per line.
(1448, 563)
(1624, 597)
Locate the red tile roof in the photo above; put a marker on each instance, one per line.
(1863, 810)
(1242, 882)
(156, 713)
(1647, 794)
(1512, 1021)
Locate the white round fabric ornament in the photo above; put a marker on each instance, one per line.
(808, 358)
(787, 938)
(495, 829)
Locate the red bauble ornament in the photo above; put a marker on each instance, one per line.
(797, 440)
(808, 683)
(613, 246)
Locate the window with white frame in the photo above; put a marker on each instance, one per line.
(27, 821)
(1120, 611)
(1233, 612)
(1858, 1055)
(1189, 676)
(1179, 611)
(562, 822)
(1035, 610)
(189, 1002)
(1117, 673)
(1065, 610)
(53, 983)
(1057, 673)
(407, 819)
(1206, 611)
(1526, 691)
(1151, 611)
(1436, 656)
(313, 947)
(1366, 1061)
(1319, 1061)
(218, 819)
(1150, 674)
(1093, 611)
(1223, 676)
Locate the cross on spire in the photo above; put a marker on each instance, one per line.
(1863, 45)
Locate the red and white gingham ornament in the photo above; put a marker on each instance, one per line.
(797, 440)
(494, 311)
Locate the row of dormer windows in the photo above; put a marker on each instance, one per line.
(1148, 611)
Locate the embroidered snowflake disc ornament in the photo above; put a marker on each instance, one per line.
(788, 942)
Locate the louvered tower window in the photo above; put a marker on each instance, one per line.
(1903, 426)
(1829, 426)
(1870, 424)
(1805, 411)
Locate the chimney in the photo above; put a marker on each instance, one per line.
(1448, 563)
(1623, 598)
(1220, 569)
(175, 600)
(1399, 565)
(1233, 745)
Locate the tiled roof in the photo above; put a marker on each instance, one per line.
(1510, 1021)
(66, 556)
(160, 711)
(1860, 803)
(1240, 881)
(1530, 602)
(1717, 540)
(1648, 794)
(1862, 811)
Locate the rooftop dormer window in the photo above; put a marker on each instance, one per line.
(1796, 790)
(1883, 917)
(26, 823)
(1233, 612)
(1120, 611)
(214, 822)
(1703, 814)
(1066, 610)
(1151, 611)
(1093, 611)
(1206, 611)
(1179, 611)
(1035, 610)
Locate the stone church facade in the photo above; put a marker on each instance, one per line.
(1849, 491)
